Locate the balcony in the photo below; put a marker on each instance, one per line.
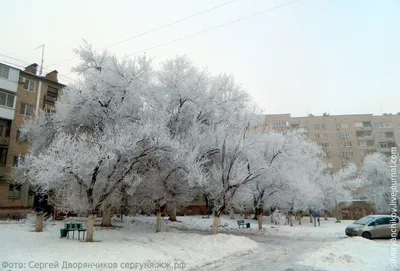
(364, 134)
(8, 78)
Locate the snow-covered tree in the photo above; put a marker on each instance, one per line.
(104, 130)
(377, 179)
(334, 188)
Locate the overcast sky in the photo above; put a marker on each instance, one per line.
(312, 56)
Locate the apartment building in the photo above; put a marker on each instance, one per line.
(344, 138)
(22, 94)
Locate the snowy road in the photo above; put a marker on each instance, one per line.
(275, 253)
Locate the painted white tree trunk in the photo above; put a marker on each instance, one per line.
(216, 220)
(39, 222)
(259, 220)
(90, 227)
(326, 215)
(290, 218)
(232, 212)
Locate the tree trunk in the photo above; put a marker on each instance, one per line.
(232, 212)
(216, 220)
(172, 212)
(90, 227)
(337, 211)
(272, 219)
(299, 217)
(106, 217)
(290, 219)
(39, 222)
(259, 220)
(158, 221)
(326, 215)
(311, 220)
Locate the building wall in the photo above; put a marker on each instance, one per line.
(350, 146)
(19, 148)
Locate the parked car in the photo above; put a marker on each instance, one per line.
(374, 226)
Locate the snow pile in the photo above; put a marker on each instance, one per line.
(125, 243)
(351, 254)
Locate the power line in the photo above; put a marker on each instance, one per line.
(152, 30)
(213, 28)
(210, 29)
(22, 66)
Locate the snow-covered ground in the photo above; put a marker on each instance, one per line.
(132, 243)
(352, 254)
(328, 227)
(301, 247)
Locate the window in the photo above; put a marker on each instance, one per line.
(337, 125)
(323, 145)
(370, 151)
(363, 143)
(346, 154)
(379, 124)
(317, 135)
(325, 135)
(383, 145)
(26, 109)
(7, 99)
(3, 155)
(382, 221)
(324, 126)
(328, 155)
(343, 135)
(276, 124)
(366, 124)
(380, 134)
(317, 126)
(29, 85)
(358, 124)
(20, 137)
(363, 133)
(303, 126)
(4, 71)
(344, 126)
(1, 130)
(17, 160)
(14, 191)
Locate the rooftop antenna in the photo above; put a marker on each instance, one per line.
(41, 64)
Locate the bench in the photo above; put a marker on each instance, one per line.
(242, 223)
(68, 227)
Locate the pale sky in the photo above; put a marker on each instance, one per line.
(312, 56)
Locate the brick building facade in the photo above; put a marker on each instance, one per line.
(23, 93)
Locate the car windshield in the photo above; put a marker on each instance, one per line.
(364, 220)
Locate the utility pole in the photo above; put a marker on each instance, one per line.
(41, 64)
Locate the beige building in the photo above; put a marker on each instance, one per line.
(22, 94)
(344, 138)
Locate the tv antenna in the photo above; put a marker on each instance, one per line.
(41, 64)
